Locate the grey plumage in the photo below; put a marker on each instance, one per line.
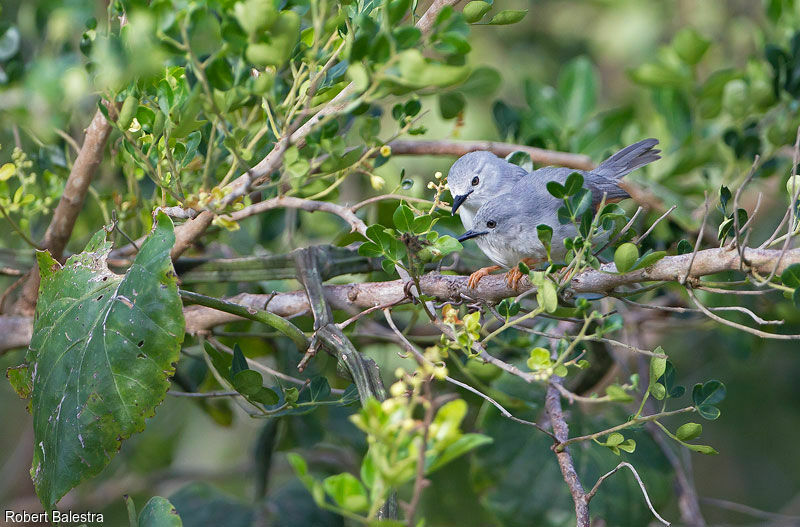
(478, 177)
(496, 176)
(505, 227)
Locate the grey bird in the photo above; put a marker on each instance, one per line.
(505, 227)
(476, 178)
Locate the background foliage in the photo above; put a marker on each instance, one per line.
(717, 83)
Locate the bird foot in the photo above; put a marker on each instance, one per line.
(513, 276)
(475, 277)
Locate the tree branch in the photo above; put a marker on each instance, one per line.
(449, 147)
(70, 204)
(552, 404)
(16, 331)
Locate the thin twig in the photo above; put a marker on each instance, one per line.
(675, 309)
(605, 476)
(621, 233)
(736, 325)
(750, 511)
(638, 240)
(698, 241)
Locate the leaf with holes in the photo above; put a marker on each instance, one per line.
(102, 352)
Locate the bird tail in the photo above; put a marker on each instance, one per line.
(610, 171)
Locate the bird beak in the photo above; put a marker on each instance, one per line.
(457, 201)
(471, 234)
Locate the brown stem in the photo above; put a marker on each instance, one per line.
(70, 204)
(552, 404)
(453, 148)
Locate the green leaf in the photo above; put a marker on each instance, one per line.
(398, 10)
(248, 382)
(482, 81)
(403, 218)
(577, 85)
(712, 392)
(702, 449)
(239, 363)
(447, 244)
(508, 16)
(791, 276)
(370, 250)
(7, 170)
(690, 45)
(689, 431)
(684, 247)
(705, 396)
(708, 411)
(456, 449)
(556, 189)
(20, 379)
(255, 16)
(615, 439)
(102, 352)
(416, 72)
(629, 445)
(406, 36)
(573, 184)
(521, 159)
(658, 366)
(547, 297)
(545, 234)
(539, 359)
(474, 11)
(347, 492)
(724, 196)
(658, 391)
(625, 257)
(220, 74)
(616, 393)
(451, 104)
(202, 505)
(159, 512)
(648, 259)
(508, 308)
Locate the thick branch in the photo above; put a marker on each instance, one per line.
(453, 288)
(459, 148)
(70, 204)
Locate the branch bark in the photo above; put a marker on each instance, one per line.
(450, 288)
(552, 404)
(448, 147)
(70, 204)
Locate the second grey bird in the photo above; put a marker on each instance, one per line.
(505, 227)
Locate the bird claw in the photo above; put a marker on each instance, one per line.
(475, 277)
(513, 276)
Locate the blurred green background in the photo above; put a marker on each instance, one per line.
(43, 86)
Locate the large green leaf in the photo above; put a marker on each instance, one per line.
(103, 348)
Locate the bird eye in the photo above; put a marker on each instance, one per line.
(491, 224)
(475, 181)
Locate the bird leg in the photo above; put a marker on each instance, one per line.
(475, 277)
(514, 275)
